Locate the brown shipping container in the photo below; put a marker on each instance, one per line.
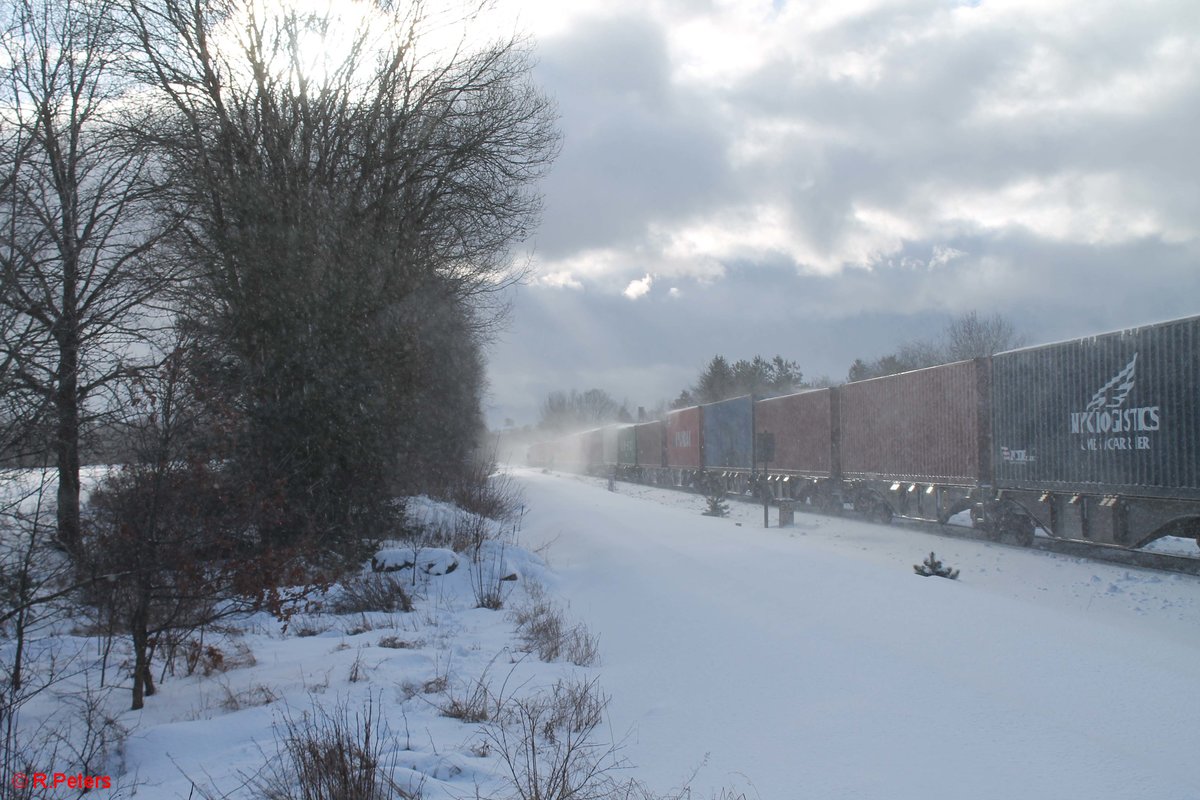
(803, 428)
(928, 426)
(650, 451)
(683, 438)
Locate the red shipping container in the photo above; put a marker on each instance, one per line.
(926, 426)
(803, 428)
(683, 438)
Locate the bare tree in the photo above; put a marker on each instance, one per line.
(966, 336)
(973, 336)
(574, 410)
(75, 235)
(318, 206)
(173, 525)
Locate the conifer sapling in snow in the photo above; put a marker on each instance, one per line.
(717, 507)
(932, 566)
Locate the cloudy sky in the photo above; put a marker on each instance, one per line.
(824, 180)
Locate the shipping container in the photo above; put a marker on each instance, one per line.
(651, 444)
(610, 436)
(729, 434)
(1112, 414)
(802, 425)
(924, 426)
(592, 450)
(684, 438)
(567, 453)
(573, 454)
(627, 446)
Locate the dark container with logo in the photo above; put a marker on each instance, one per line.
(684, 438)
(729, 434)
(803, 428)
(925, 426)
(1112, 414)
(651, 444)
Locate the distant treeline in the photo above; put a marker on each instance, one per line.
(966, 336)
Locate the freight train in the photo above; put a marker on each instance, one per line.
(1095, 439)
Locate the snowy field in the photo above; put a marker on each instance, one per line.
(806, 662)
(811, 662)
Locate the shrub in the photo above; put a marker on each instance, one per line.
(372, 592)
(547, 747)
(331, 756)
(395, 643)
(543, 630)
(469, 703)
(464, 532)
(488, 578)
(257, 695)
(484, 491)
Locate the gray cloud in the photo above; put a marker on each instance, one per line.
(850, 182)
(635, 147)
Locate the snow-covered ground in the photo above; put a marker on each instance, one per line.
(805, 662)
(208, 734)
(811, 662)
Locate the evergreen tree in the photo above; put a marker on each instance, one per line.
(933, 567)
(716, 382)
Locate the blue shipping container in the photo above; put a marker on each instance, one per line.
(729, 434)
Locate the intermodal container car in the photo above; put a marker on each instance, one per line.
(926, 426)
(651, 444)
(610, 436)
(684, 438)
(729, 434)
(1116, 414)
(627, 446)
(592, 449)
(802, 426)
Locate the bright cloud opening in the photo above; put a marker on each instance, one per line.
(638, 288)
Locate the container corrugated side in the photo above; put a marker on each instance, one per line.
(684, 438)
(1117, 413)
(729, 434)
(650, 444)
(927, 426)
(626, 446)
(803, 428)
(610, 435)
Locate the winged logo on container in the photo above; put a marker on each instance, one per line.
(1113, 393)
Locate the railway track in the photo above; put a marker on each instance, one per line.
(1111, 554)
